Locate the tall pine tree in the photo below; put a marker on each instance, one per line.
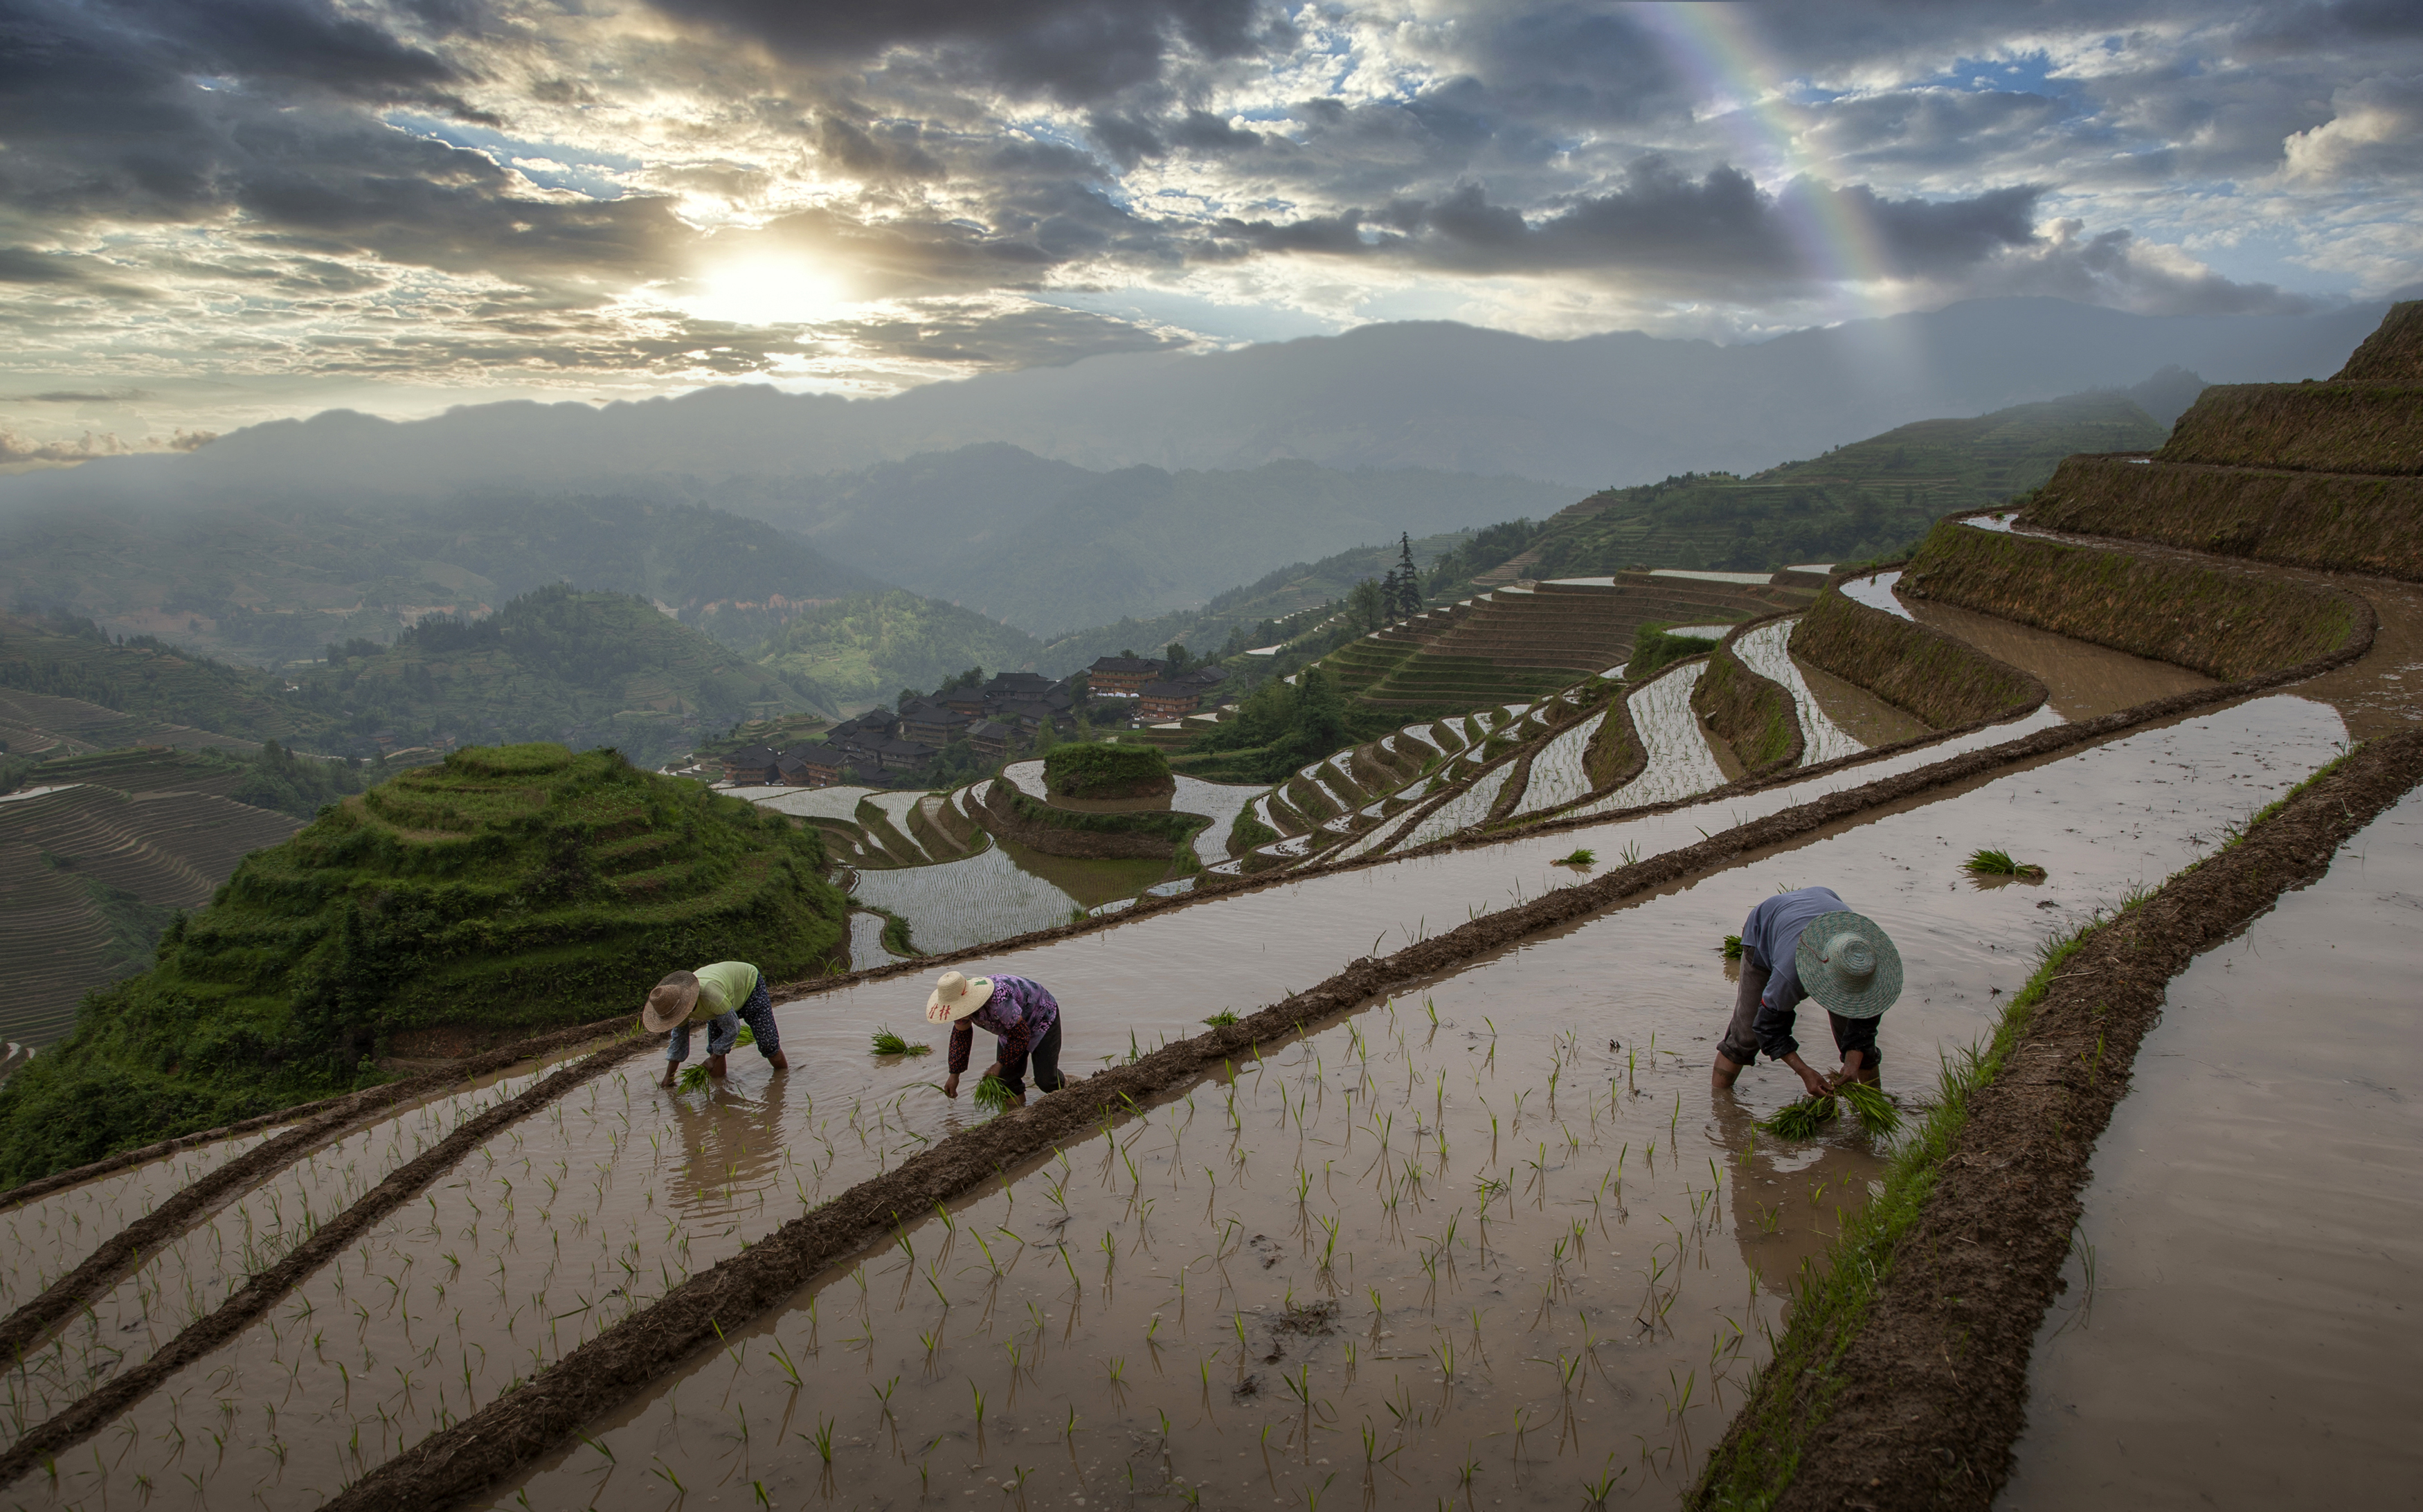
(1409, 584)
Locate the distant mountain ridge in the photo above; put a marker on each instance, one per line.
(1589, 412)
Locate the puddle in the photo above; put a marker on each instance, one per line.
(1655, 1306)
(2254, 1225)
(2082, 680)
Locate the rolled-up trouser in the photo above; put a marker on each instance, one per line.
(723, 1030)
(1045, 1052)
(1740, 1043)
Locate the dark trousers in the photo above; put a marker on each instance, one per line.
(1740, 1043)
(1045, 1052)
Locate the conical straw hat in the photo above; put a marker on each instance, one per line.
(1848, 965)
(955, 996)
(668, 1005)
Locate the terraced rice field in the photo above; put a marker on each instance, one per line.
(1557, 775)
(1766, 651)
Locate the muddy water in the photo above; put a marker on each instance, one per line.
(573, 1218)
(2083, 680)
(2382, 690)
(1877, 591)
(52, 1236)
(2251, 1335)
(1690, 1224)
(1860, 713)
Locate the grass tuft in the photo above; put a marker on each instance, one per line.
(1222, 1019)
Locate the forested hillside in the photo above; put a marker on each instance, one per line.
(150, 681)
(272, 580)
(866, 650)
(587, 669)
(1853, 503)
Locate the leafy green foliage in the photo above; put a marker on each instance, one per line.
(1281, 726)
(1106, 769)
(595, 668)
(512, 889)
(865, 650)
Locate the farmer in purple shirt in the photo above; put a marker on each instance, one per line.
(1807, 944)
(1019, 1013)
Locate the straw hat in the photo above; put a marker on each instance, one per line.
(1848, 965)
(670, 1002)
(955, 997)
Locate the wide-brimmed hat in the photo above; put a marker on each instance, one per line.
(1848, 965)
(955, 996)
(669, 1005)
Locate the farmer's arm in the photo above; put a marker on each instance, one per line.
(963, 1039)
(1775, 1023)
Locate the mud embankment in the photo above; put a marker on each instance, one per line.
(1617, 753)
(1153, 836)
(1943, 682)
(2223, 623)
(2337, 522)
(2325, 427)
(329, 1240)
(1912, 1396)
(1750, 713)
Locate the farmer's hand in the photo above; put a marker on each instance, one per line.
(994, 1070)
(951, 1085)
(1818, 1085)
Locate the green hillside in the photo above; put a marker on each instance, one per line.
(144, 679)
(508, 889)
(268, 581)
(863, 651)
(1856, 502)
(560, 664)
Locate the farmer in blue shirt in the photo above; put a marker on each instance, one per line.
(1020, 1013)
(1807, 944)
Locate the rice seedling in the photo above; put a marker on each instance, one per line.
(1802, 1120)
(1732, 947)
(888, 1044)
(1998, 864)
(1222, 1019)
(1581, 858)
(992, 1094)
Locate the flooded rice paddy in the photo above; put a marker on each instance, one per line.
(1545, 1370)
(1767, 652)
(2241, 1328)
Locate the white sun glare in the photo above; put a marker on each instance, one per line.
(765, 289)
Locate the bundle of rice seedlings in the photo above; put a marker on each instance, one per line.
(1732, 947)
(1584, 856)
(1877, 1113)
(1222, 1019)
(1801, 1120)
(747, 1035)
(992, 1095)
(1998, 864)
(692, 1078)
(889, 1044)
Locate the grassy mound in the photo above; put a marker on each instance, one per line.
(1944, 682)
(2393, 353)
(2327, 427)
(1104, 769)
(1750, 713)
(511, 888)
(2339, 521)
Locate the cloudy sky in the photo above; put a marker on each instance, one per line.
(213, 212)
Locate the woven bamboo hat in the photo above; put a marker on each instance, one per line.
(955, 996)
(1848, 965)
(670, 1003)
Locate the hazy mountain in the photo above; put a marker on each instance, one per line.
(1050, 547)
(1594, 412)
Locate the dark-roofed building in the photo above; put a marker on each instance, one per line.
(931, 723)
(752, 764)
(904, 756)
(1121, 677)
(1167, 700)
(990, 738)
(815, 765)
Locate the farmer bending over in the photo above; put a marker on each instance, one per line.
(1805, 944)
(1019, 1012)
(729, 994)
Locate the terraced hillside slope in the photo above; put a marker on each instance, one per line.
(90, 875)
(2306, 475)
(1521, 641)
(1854, 503)
(507, 889)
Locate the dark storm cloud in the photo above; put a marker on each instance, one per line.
(1719, 230)
(1076, 51)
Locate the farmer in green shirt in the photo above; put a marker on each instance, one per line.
(728, 994)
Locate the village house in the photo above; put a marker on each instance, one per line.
(1167, 700)
(815, 765)
(990, 738)
(1121, 677)
(903, 755)
(752, 764)
(931, 723)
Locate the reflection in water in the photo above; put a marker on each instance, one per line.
(1790, 1199)
(2082, 680)
(2247, 1337)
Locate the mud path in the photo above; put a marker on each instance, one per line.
(2270, 1133)
(1920, 1406)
